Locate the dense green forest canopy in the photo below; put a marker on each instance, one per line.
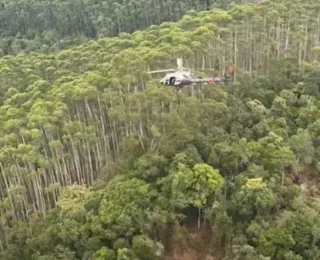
(53, 25)
(98, 161)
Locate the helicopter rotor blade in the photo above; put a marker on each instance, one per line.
(158, 71)
(203, 69)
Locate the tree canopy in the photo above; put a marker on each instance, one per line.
(100, 161)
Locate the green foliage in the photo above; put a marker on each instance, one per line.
(275, 242)
(193, 186)
(57, 26)
(126, 254)
(144, 248)
(105, 253)
(253, 198)
(124, 208)
(99, 161)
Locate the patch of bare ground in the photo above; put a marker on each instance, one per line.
(192, 243)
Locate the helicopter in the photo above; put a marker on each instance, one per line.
(181, 76)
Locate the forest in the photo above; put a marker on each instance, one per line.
(33, 26)
(99, 161)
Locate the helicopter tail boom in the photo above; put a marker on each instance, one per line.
(208, 80)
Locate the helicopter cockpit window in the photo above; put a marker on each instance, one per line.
(172, 80)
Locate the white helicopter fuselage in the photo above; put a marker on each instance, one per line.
(176, 79)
